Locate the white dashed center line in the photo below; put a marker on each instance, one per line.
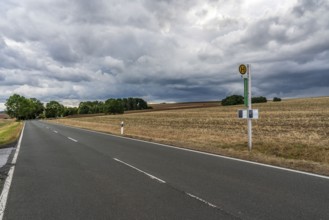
(72, 139)
(201, 200)
(135, 168)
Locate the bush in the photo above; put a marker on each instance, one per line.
(233, 100)
(276, 99)
(260, 99)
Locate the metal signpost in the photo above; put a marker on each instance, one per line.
(250, 114)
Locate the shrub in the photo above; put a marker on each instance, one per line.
(260, 99)
(276, 99)
(233, 100)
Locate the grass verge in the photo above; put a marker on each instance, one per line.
(9, 131)
(9, 134)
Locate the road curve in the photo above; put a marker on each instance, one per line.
(68, 173)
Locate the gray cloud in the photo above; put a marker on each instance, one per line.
(162, 50)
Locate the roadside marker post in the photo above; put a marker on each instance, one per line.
(122, 127)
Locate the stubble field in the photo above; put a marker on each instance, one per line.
(292, 133)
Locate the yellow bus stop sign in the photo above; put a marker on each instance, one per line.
(242, 69)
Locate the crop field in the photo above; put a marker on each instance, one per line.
(292, 133)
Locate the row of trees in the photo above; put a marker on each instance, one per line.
(22, 108)
(238, 100)
(111, 106)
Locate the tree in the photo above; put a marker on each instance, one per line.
(37, 106)
(91, 107)
(125, 104)
(97, 107)
(113, 106)
(276, 99)
(134, 104)
(70, 111)
(54, 109)
(13, 105)
(233, 100)
(84, 108)
(22, 108)
(141, 104)
(259, 99)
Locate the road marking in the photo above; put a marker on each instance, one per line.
(202, 200)
(224, 157)
(135, 168)
(72, 139)
(205, 153)
(7, 184)
(56, 132)
(220, 156)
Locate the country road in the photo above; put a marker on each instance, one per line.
(68, 173)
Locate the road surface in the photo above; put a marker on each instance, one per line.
(67, 173)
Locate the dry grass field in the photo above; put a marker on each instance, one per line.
(292, 133)
(9, 131)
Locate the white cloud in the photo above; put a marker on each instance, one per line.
(162, 50)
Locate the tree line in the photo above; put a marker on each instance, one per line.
(22, 108)
(238, 100)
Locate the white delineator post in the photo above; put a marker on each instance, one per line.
(122, 127)
(249, 108)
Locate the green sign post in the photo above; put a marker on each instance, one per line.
(246, 91)
(246, 74)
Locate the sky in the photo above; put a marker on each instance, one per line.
(162, 51)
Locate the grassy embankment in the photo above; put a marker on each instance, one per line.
(9, 131)
(291, 133)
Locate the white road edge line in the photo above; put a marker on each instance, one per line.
(201, 200)
(135, 168)
(72, 139)
(205, 153)
(7, 184)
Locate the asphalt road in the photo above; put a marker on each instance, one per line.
(67, 173)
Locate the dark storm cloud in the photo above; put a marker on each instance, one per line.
(287, 83)
(162, 50)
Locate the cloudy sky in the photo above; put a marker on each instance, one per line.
(164, 50)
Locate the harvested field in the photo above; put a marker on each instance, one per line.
(292, 133)
(184, 105)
